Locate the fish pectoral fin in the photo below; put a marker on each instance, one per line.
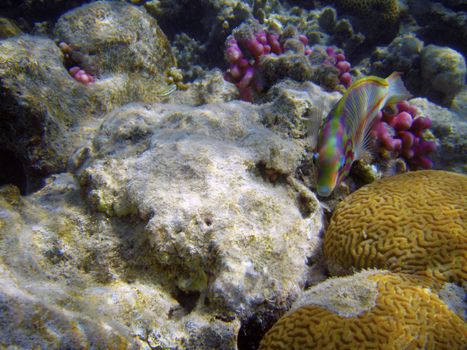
(397, 90)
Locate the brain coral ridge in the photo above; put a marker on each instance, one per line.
(405, 316)
(413, 223)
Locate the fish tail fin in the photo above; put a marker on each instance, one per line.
(397, 90)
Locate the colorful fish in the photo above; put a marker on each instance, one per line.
(345, 135)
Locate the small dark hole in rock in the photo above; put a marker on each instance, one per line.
(12, 171)
(268, 174)
(187, 300)
(304, 207)
(253, 330)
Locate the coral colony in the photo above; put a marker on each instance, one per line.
(397, 135)
(401, 134)
(245, 48)
(78, 73)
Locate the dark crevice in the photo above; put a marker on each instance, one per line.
(12, 171)
(186, 19)
(253, 330)
(269, 174)
(186, 300)
(304, 206)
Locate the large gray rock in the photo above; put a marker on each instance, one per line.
(443, 72)
(114, 36)
(45, 112)
(185, 223)
(72, 280)
(450, 130)
(209, 184)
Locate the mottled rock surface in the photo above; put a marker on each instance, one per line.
(68, 279)
(217, 213)
(443, 72)
(450, 130)
(177, 225)
(45, 112)
(113, 36)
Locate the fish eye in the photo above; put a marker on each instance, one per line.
(315, 157)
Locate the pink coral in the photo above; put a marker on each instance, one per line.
(78, 73)
(81, 75)
(402, 134)
(250, 42)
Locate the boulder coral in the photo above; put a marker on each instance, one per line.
(369, 310)
(378, 19)
(43, 102)
(443, 72)
(109, 37)
(413, 223)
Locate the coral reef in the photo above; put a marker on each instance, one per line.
(222, 148)
(71, 279)
(184, 223)
(43, 105)
(439, 24)
(368, 310)
(206, 21)
(402, 134)
(413, 222)
(377, 19)
(130, 42)
(401, 55)
(260, 57)
(443, 72)
(188, 213)
(450, 131)
(142, 212)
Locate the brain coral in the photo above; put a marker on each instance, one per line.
(395, 314)
(413, 223)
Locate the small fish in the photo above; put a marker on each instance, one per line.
(166, 92)
(345, 135)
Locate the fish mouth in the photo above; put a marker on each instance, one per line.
(324, 191)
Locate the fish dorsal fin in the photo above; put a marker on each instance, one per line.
(363, 101)
(397, 91)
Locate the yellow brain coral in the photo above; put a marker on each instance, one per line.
(404, 316)
(413, 223)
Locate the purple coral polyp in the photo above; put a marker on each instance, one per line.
(243, 55)
(402, 135)
(245, 48)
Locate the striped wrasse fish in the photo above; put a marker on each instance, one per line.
(345, 135)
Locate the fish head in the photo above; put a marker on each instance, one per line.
(329, 172)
